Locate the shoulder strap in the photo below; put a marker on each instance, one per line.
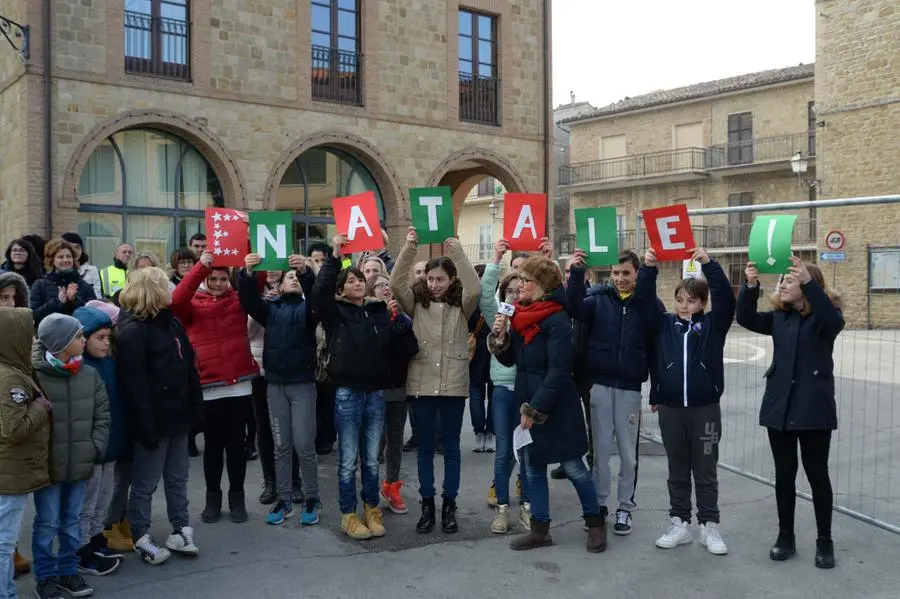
(479, 326)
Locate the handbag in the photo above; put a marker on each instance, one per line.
(472, 339)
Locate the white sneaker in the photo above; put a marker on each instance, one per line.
(182, 541)
(501, 520)
(479, 443)
(150, 552)
(679, 533)
(490, 443)
(712, 539)
(525, 515)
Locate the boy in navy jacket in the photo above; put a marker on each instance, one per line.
(687, 376)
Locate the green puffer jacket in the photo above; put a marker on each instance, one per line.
(25, 426)
(80, 416)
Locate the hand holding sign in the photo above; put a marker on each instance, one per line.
(799, 270)
(770, 242)
(251, 260)
(650, 257)
(752, 274)
(669, 230)
(338, 242)
(432, 213)
(358, 216)
(524, 220)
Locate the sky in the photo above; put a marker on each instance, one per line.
(604, 50)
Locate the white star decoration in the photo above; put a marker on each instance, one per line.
(218, 251)
(217, 216)
(217, 243)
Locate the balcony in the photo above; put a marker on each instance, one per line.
(761, 154)
(479, 99)
(671, 166)
(337, 76)
(157, 46)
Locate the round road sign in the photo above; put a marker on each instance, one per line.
(835, 240)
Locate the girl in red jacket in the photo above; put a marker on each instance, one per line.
(216, 324)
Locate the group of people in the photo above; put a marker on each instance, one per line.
(106, 376)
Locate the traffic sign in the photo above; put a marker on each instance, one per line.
(835, 240)
(833, 256)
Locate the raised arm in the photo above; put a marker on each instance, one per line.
(402, 273)
(467, 275)
(307, 282)
(323, 290)
(829, 318)
(723, 302)
(748, 315)
(184, 292)
(251, 300)
(488, 301)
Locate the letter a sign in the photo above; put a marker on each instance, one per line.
(432, 213)
(271, 236)
(357, 217)
(669, 230)
(524, 220)
(597, 235)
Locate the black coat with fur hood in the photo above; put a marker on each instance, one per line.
(11, 279)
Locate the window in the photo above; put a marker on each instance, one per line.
(147, 188)
(485, 241)
(157, 38)
(479, 86)
(740, 138)
(486, 186)
(811, 126)
(336, 57)
(310, 183)
(739, 223)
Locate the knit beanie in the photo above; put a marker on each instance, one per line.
(57, 331)
(92, 320)
(108, 308)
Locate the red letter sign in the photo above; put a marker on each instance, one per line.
(524, 220)
(229, 236)
(357, 217)
(669, 230)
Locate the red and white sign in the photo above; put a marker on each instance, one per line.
(228, 235)
(524, 220)
(669, 230)
(835, 240)
(356, 216)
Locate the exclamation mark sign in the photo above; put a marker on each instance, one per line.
(772, 224)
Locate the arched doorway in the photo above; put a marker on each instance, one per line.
(146, 187)
(311, 181)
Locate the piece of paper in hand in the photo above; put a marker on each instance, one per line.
(521, 438)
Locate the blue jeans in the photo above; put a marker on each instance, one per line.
(450, 410)
(506, 419)
(578, 475)
(358, 414)
(12, 508)
(482, 420)
(57, 511)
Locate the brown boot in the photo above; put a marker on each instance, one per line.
(22, 565)
(538, 536)
(596, 539)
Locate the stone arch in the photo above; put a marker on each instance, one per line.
(396, 212)
(195, 132)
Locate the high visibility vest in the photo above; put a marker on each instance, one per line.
(112, 279)
(346, 263)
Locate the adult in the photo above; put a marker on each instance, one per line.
(216, 324)
(159, 384)
(62, 290)
(318, 254)
(112, 278)
(38, 243)
(182, 261)
(438, 380)
(537, 340)
(23, 260)
(371, 266)
(798, 406)
(197, 244)
(383, 255)
(87, 270)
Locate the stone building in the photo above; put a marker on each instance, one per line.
(160, 108)
(731, 142)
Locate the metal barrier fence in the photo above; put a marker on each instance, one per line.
(865, 451)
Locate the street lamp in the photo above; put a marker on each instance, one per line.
(17, 35)
(800, 164)
(494, 210)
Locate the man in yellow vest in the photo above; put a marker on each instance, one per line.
(112, 278)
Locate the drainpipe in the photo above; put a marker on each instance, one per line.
(548, 117)
(48, 106)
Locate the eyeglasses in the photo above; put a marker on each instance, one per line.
(380, 285)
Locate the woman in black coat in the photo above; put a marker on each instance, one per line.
(798, 405)
(22, 259)
(539, 344)
(62, 290)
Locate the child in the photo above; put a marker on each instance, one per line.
(80, 434)
(95, 556)
(687, 376)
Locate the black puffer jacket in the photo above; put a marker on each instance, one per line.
(158, 380)
(45, 294)
(289, 345)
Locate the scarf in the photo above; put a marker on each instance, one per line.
(525, 320)
(68, 368)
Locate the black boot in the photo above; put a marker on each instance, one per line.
(785, 547)
(268, 495)
(213, 510)
(237, 507)
(426, 522)
(824, 554)
(559, 473)
(448, 517)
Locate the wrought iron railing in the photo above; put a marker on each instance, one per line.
(635, 167)
(157, 46)
(479, 99)
(761, 149)
(337, 75)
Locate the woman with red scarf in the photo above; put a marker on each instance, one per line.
(537, 340)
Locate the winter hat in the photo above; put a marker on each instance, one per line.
(73, 238)
(57, 331)
(543, 271)
(92, 320)
(107, 308)
(12, 279)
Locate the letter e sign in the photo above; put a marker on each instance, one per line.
(669, 230)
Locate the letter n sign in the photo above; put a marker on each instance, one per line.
(431, 209)
(271, 235)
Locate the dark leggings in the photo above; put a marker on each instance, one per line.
(394, 425)
(814, 448)
(225, 436)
